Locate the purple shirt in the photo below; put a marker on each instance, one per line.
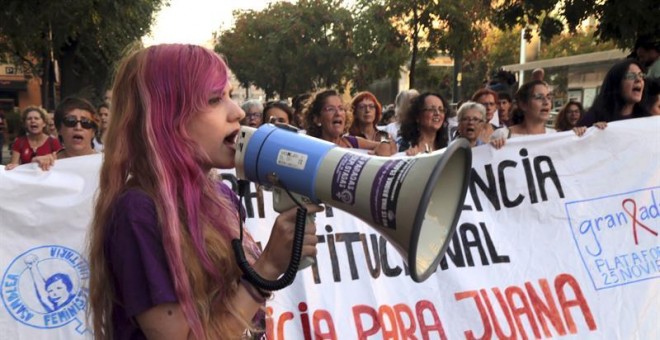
(137, 260)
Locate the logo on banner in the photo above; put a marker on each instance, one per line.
(617, 236)
(45, 287)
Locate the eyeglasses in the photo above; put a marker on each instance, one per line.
(434, 110)
(85, 123)
(334, 109)
(488, 104)
(279, 120)
(366, 107)
(471, 120)
(253, 115)
(541, 97)
(634, 76)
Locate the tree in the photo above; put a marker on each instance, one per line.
(461, 27)
(380, 49)
(83, 37)
(619, 21)
(567, 44)
(287, 49)
(413, 19)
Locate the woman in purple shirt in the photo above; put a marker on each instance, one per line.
(161, 263)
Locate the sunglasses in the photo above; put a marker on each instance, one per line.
(85, 123)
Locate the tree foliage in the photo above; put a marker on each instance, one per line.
(85, 37)
(288, 49)
(619, 21)
(379, 48)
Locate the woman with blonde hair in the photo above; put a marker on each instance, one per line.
(36, 145)
(161, 258)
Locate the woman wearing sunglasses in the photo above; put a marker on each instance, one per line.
(36, 145)
(75, 119)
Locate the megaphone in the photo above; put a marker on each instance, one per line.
(414, 202)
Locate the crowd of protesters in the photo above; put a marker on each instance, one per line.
(161, 142)
(414, 123)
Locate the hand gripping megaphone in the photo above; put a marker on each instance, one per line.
(414, 202)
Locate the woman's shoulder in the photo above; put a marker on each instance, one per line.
(352, 140)
(502, 132)
(135, 204)
(53, 143)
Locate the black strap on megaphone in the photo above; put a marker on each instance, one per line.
(296, 251)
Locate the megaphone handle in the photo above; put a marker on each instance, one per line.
(290, 274)
(282, 201)
(307, 260)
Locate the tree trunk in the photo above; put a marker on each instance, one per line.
(415, 49)
(45, 83)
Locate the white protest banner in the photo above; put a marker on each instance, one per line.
(558, 239)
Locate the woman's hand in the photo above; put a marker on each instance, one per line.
(11, 166)
(579, 130)
(384, 148)
(414, 150)
(45, 162)
(600, 125)
(276, 256)
(498, 143)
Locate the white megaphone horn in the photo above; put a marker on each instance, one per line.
(414, 202)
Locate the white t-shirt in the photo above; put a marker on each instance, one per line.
(504, 133)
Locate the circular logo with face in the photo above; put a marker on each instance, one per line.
(46, 287)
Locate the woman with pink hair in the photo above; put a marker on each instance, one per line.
(161, 258)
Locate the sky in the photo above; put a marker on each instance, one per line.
(194, 21)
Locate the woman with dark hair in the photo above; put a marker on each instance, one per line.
(366, 114)
(103, 112)
(298, 104)
(653, 97)
(620, 95)
(504, 106)
(423, 128)
(568, 116)
(325, 117)
(278, 112)
(535, 102)
(77, 123)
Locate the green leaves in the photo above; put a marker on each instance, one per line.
(290, 48)
(85, 36)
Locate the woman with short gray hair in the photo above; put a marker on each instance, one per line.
(470, 117)
(253, 109)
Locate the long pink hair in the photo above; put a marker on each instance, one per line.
(157, 91)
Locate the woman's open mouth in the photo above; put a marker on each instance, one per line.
(231, 139)
(77, 139)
